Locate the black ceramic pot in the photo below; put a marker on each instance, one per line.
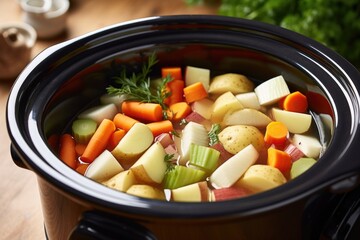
(65, 78)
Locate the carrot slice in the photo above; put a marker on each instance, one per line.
(178, 111)
(115, 139)
(175, 72)
(195, 92)
(80, 148)
(143, 111)
(98, 141)
(67, 151)
(276, 133)
(176, 88)
(295, 102)
(160, 127)
(81, 168)
(124, 122)
(279, 159)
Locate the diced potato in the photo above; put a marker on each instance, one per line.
(249, 100)
(230, 82)
(146, 191)
(260, 178)
(203, 107)
(246, 116)
(294, 121)
(224, 103)
(100, 112)
(196, 192)
(309, 145)
(196, 74)
(235, 138)
(121, 181)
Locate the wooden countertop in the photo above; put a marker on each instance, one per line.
(20, 207)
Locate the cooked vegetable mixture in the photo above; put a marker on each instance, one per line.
(190, 136)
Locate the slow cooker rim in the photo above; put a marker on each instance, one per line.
(101, 31)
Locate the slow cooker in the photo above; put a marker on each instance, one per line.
(322, 203)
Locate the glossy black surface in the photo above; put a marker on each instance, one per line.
(62, 79)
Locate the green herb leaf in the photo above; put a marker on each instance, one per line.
(213, 134)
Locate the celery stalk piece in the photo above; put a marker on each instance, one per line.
(203, 157)
(83, 129)
(181, 176)
(300, 166)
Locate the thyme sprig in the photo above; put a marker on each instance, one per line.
(137, 86)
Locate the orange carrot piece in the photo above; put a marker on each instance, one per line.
(53, 142)
(295, 102)
(195, 92)
(124, 122)
(143, 111)
(67, 150)
(276, 133)
(115, 139)
(157, 128)
(81, 168)
(98, 141)
(80, 148)
(176, 88)
(178, 111)
(279, 159)
(175, 72)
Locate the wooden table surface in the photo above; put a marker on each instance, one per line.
(20, 207)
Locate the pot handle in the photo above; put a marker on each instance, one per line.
(16, 157)
(97, 225)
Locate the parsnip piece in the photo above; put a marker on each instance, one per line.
(260, 178)
(235, 83)
(309, 145)
(121, 181)
(196, 74)
(246, 116)
(235, 138)
(133, 144)
(196, 192)
(224, 103)
(231, 170)
(103, 167)
(100, 112)
(294, 121)
(146, 191)
(151, 166)
(272, 90)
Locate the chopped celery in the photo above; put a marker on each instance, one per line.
(181, 176)
(83, 129)
(203, 157)
(300, 166)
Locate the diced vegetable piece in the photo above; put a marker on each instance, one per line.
(301, 166)
(178, 111)
(249, 100)
(151, 167)
(294, 152)
(83, 129)
(103, 167)
(294, 102)
(192, 133)
(272, 90)
(160, 127)
(133, 144)
(81, 168)
(203, 107)
(295, 122)
(229, 193)
(194, 117)
(196, 74)
(260, 178)
(146, 191)
(276, 133)
(98, 141)
(196, 192)
(235, 138)
(115, 139)
(309, 145)
(67, 152)
(99, 113)
(279, 159)
(246, 116)
(174, 72)
(195, 92)
(165, 139)
(205, 158)
(224, 103)
(231, 170)
(116, 99)
(121, 181)
(143, 111)
(181, 176)
(176, 89)
(235, 83)
(124, 122)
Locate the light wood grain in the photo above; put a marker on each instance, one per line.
(20, 207)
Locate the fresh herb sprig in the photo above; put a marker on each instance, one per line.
(213, 134)
(137, 86)
(169, 162)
